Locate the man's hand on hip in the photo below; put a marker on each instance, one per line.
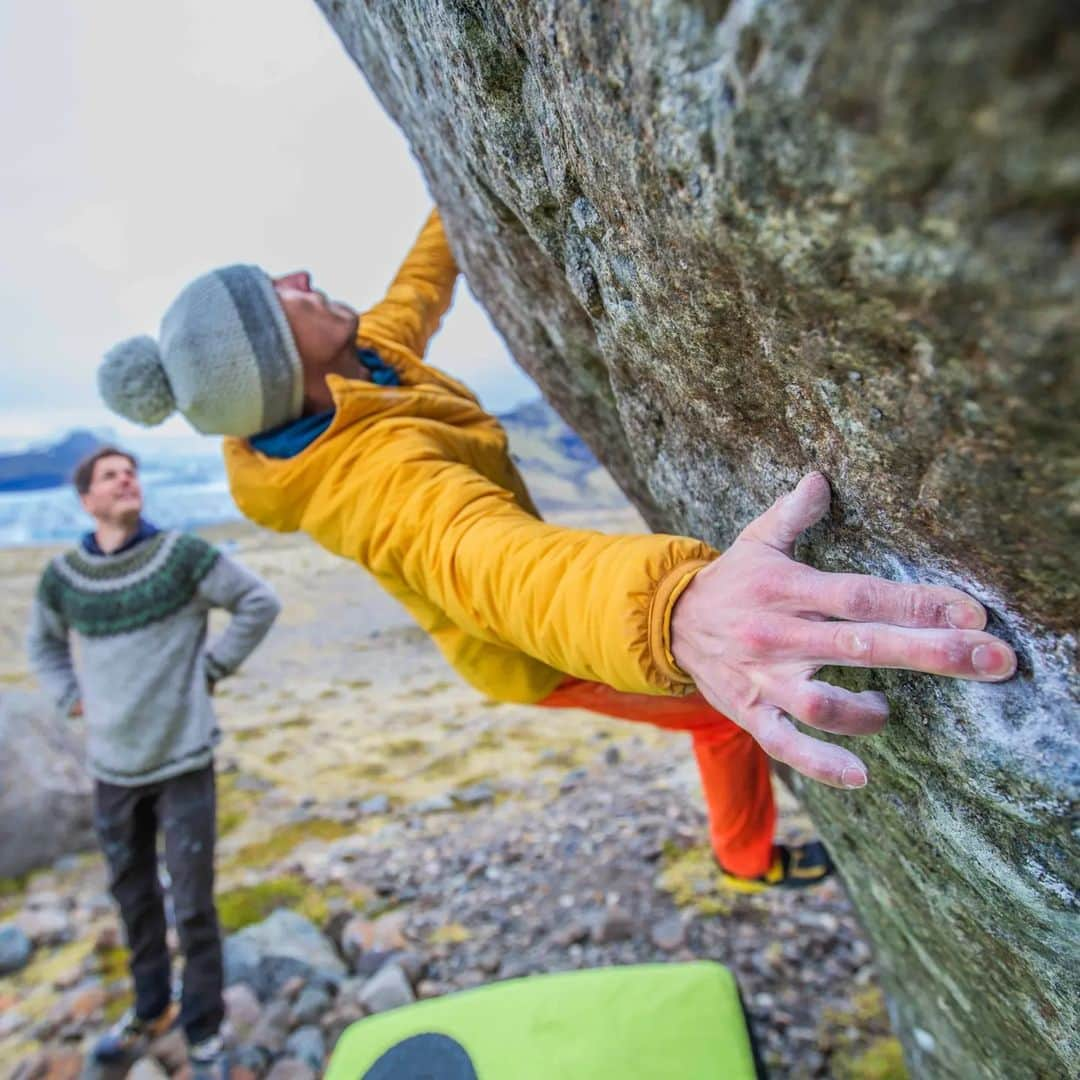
(753, 628)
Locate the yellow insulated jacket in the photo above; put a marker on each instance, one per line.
(415, 484)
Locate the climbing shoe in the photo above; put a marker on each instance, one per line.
(208, 1059)
(792, 868)
(130, 1036)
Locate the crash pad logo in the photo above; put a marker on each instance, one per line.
(424, 1057)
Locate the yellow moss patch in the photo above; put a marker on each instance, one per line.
(298, 722)
(247, 734)
(883, 1059)
(13, 1053)
(408, 747)
(13, 886)
(114, 1007)
(232, 805)
(693, 880)
(863, 1046)
(488, 740)
(286, 838)
(429, 691)
(113, 964)
(250, 904)
(443, 767)
(48, 965)
(367, 770)
(450, 934)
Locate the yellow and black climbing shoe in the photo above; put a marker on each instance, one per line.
(796, 867)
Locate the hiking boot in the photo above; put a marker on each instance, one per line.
(130, 1036)
(208, 1059)
(796, 867)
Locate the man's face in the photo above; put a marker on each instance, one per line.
(322, 328)
(114, 496)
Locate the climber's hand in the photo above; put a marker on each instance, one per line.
(753, 628)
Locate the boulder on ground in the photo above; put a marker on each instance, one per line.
(46, 795)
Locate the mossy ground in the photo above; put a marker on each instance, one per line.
(692, 878)
(285, 839)
(449, 934)
(859, 1040)
(248, 904)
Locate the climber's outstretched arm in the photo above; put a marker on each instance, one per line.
(753, 628)
(419, 294)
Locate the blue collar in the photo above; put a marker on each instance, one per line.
(143, 532)
(290, 439)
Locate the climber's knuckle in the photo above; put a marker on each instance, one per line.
(817, 708)
(863, 599)
(854, 643)
(760, 636)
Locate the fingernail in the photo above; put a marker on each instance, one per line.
(963, 616)
(992, 660)
(853, 778)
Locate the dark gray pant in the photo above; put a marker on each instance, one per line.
(127, 820)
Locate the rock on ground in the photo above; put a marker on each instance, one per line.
(45, 795)
(15, 949)
(388, 989)
(267, 955)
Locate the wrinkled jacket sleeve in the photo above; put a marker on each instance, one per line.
(419, 295)
(49, 650)
(591, 605)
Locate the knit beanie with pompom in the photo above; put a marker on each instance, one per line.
(225, 358)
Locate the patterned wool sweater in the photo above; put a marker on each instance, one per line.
(140, 617)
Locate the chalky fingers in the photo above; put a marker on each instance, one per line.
(831, 708)
(780, 739)
(869, 599)
(963, 654)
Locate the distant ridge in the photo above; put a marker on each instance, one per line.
(48, 467)
(558, 467)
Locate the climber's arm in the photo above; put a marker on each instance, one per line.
(419, 294)
(584, 603)
(754, 627)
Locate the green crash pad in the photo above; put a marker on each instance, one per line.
(650, 1021)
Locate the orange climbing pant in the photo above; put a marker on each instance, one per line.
(734, 769)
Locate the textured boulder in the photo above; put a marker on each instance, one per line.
(268, 954)
(736, 241)
(46, 796)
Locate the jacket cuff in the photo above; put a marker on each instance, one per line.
(668, 591)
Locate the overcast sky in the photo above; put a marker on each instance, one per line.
(144, 143)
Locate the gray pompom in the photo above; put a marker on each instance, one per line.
(133, 382)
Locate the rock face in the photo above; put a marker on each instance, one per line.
(46, 801)
(736, 241)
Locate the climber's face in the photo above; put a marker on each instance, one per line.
(322, 328)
